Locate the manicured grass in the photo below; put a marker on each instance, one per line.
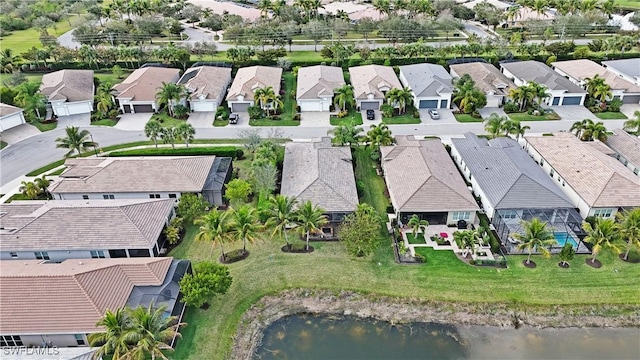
(610, 115)
(166, 120)
(269, 122)
(225, 151)
(354, 118)
(220, 123)
(23, 40)
(57, 172)
(105, 122)
(526, 117)
(3, 144)
(415, 239)
(108, 76)
(37, 78)
(21, 196)
(628, 4)
(44, 127)
(401, 119)
(466, 118)
(372, 186)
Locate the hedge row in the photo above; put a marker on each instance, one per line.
(223, 151)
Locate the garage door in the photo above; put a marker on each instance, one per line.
(127, 109)
(571, 100)
(444, 104)
(631, 99)
(143, 108)
(203, 106)
(10, 121)
(240, 107)
(428, 104)
(555, 101)
(310, 105)
(81, 108)
(369, 105)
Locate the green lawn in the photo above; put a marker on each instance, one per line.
(628, 4)
(269, 122)
(220, 123)
(105, 122)
(415, 240)
(3, 144)
(372, 185)
(57, 172)
(108, 76)
(610, 115)
(354, 118)
(523, 116)
(401, 119)
(23, 40)
(44, 127)
(465, 118)
(166, 120)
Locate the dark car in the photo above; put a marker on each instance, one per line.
(371, 115)
(233, 118)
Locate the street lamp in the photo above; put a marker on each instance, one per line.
(94, 145)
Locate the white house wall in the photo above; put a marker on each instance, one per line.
(13, 120)
(494, 100)
(57, 340)
(55, 255)
(99, 196)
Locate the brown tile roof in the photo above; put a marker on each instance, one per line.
(69, 85)
(486, 76)
(143, 84)
(321, 173)
(587, 167)
(626, 145)
(134, 174)
(208, 81)
(6, 110)
(314, 81)
(369, 79)
(421, 177)
(82, 224)
(248, 79)
(71, 296)
(583, 68)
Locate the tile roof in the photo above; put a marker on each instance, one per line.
(206, 81)
(71, 296)
(629, 67)
(587, 167)
(68, 85)
(6, 110)
(542, 74)
(498, 4)
(143, 84)
(369, 79)
(626, 145)
(134, 174)
(248, 79)
(421, 177)
(582, 69)
(319, 80)
(486, 76)
(82, 224)
(321, 173)
(507, 175)
(427, 79)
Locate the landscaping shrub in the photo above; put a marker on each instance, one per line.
(420, 258)
(510, 107)
(615, 104)
(296, 117)
(224, 151)
(255, 112)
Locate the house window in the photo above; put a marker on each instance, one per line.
(541, 162)
(461, 215)
(603, 212)
(85, 197)
(13, 255)
(108, 197)
(99, 254)
(10, 340)
(551, 173)
(154, 196)
(80, 339)
(636, 171)
(508, 214)
(173, 196)
(42, 255)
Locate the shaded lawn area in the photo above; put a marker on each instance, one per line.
(220, 123)
(44, 127)
(416, 239)
(611, 115)
(354, 118)
(372, 185)
(628, 4)
(466, 118)
(401, 119)
(523, 116)
(269, 122)
(108, 76)
(3, 144)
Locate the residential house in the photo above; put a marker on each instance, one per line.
(513, 188)
(561, 90)
(57, 304)
(207, 86)
(137, 93)
(323, 174)
(495, 3)
(628, 69)
(524, 14)
(144, 178)
(10, 116)
(247, 81)
(422, 180)
(430, 84)
(626, 148)
(488, 79)
(69, 92)
(595, 182)
(83, 229)
(578, 71)
(371, 83)
(316, 86)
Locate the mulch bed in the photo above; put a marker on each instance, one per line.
(530, 265)
(294, 250)
(563, 265)
(594, 264)
(234, 256)
(630, 260)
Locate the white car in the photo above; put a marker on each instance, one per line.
(434, 114)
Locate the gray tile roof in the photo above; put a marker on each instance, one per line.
(507, 175)
(421, 177)
(626, 145)
(369, 79)
(486, 76)
(542, 74)
(321, 173)
(82, 224)
(314, 81)
(134, 174)
(427, 80)
(629, 67)
(248, 79)
(68, 85)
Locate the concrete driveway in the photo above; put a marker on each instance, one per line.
(630, 109)
(376, 120)
(74, 120)
(446, 117)
(201, 119)
(133, 121)
(18, 133)
(314, 119)
(486, 112)
(573, 112)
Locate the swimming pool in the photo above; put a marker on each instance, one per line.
(564, 237)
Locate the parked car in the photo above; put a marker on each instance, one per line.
(434, 114)
(371, 115)
(233, 118)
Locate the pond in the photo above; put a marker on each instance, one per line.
(331, 337)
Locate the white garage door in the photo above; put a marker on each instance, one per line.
(203, 106)
(310, 105)
(78, 108)
(10, 121)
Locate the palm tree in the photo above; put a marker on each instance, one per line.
(153, 130)
(598, 88)
(633, 125)
(29, 98)
(537, 91)
(150, 332)
(594, 131)
(629, 223)
(265, 96)
(264, 6)
(244, 223)
(214, 227)
(169, 136)
(43, 184)
(186, 132)
(535, 236)
(379, 135)
(417, 225)
(111, 342)
(494, 125)
(343, 97)
(104, 103)
(30, 189)
(76, 140)
(579, 127)
(170, 94)
(346, 134)
(522, 95)
(602, 234)
(514, 127)
(280, 215)
(310, 218)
